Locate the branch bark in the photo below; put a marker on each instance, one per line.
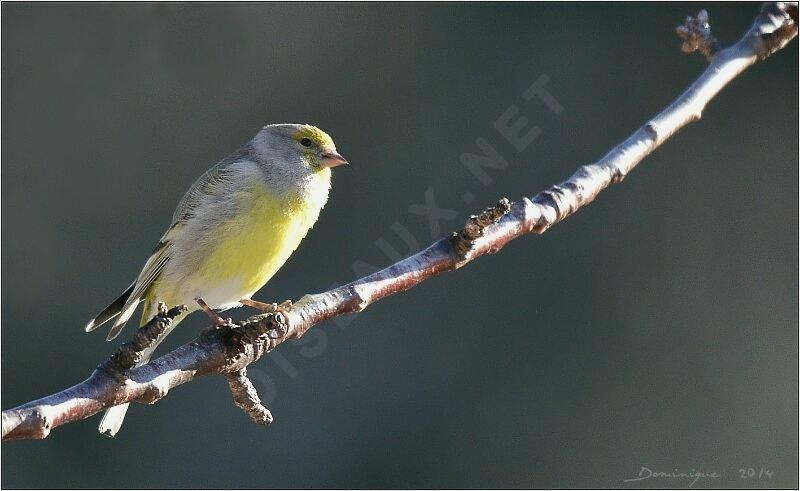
(228, 351)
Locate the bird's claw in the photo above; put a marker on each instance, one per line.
(281, 331)
(278, 333)
(268, 308)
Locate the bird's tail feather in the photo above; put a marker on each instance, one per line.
(111, 311)
(112, 420)
(113, 417)
(125, 314)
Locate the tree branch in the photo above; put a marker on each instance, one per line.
(228, 351)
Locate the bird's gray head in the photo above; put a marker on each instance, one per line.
(298, 145)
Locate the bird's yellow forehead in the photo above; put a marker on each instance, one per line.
(314, 134)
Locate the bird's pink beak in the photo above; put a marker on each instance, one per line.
(333, 159)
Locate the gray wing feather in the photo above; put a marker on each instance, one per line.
(211, 182)
(152, 268)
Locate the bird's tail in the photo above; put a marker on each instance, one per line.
(113, 417)
(110, 312)
(112, 420)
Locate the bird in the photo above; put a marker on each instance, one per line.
(230, 233)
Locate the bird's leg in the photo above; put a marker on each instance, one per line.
(267, 308)
(216, 319)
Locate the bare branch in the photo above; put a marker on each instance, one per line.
(228, 351)
(225, 351)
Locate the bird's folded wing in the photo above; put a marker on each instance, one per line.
(152, 269)
(215, 181)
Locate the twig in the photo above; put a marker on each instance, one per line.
(228, 351)
(129, 354)
(464, 240)
(246, 397)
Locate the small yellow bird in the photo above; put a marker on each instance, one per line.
(232, 231)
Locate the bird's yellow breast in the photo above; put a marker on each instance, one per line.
(254, 243)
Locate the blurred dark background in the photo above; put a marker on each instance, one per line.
(657, 327)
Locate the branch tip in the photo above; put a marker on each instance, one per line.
(171, 313)
(246, 397)
(696, 35)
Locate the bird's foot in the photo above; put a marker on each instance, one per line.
(268, 308)
(218, 321)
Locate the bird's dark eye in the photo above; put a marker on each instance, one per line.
(306, 142)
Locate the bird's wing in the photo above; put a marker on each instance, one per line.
(150, 272)
(215, 181)
(207, 188)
